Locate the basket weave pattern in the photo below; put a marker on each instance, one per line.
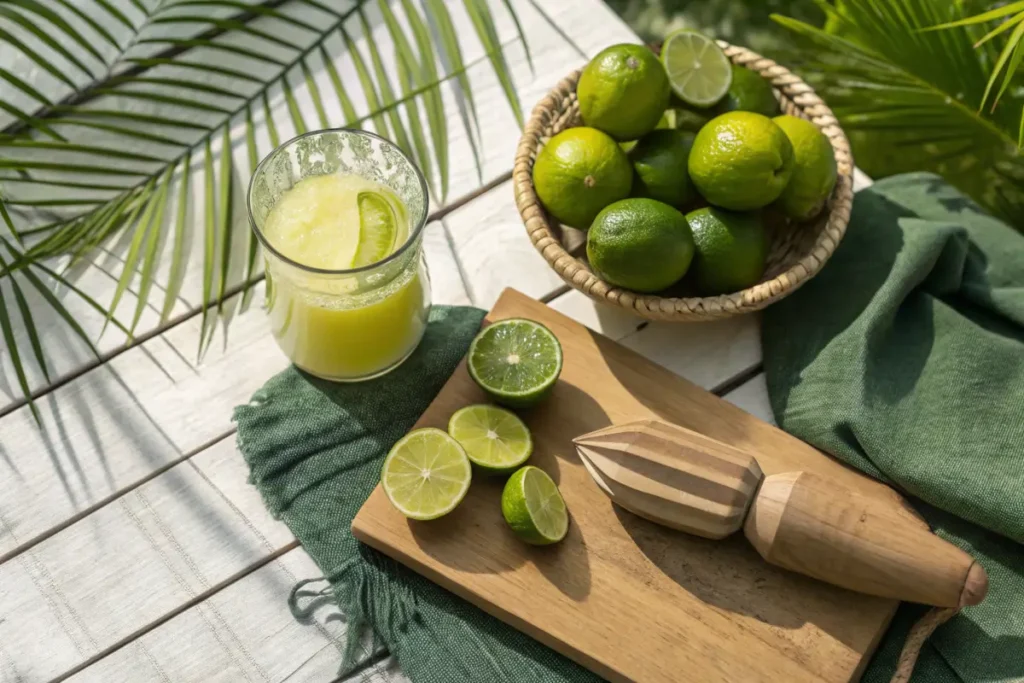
(796, 252)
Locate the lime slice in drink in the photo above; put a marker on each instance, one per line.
(534, 508)
(698, 70)
(516, 361)
(495, 440)
(426, 474)
(378, 227)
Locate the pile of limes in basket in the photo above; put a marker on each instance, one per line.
(680, 164)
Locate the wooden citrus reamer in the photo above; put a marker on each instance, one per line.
(796, 520)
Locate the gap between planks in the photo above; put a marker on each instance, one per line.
(187, 605)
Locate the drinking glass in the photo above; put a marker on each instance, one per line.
(344, 325)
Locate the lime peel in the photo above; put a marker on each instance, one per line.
(534, 508)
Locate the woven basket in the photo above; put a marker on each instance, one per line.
(796, 252)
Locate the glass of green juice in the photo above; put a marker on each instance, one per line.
(340, 214)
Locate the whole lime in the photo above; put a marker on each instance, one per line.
(814, 171)
(660, 166)
(741, 161)
(579, 172)
(748, 92)
(640, 244)
(623, 91)
(731, 249)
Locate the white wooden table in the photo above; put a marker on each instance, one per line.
(131, 546)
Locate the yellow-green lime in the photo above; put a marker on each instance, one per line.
(378, 227)
(495, 440)
(660, 166)
(748, 92)
(731, 250)
(640, 244)
(516, 361)
(534, 508)
(426, 474)
(698, 70)
(814, 172)
(579, 172)
(623, 91)
(741, 161)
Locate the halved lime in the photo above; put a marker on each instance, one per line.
(426, 474)
(516, 361)
(378, 227)
(495, 439)
(698, 70)
(534, 508)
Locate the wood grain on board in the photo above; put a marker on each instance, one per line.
(629, 599)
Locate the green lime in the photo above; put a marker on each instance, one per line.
(534, 508)
(698, 70)
(495, 440)
(731, 250)
(741, 161)
(749, 92)
(378, 227)
(660, 166)
(516, 361)
(623, 91)
(579, 172)
(426, 474)
(640, 244)
(814, 173)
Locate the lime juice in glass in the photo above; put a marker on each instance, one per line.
(340, 215)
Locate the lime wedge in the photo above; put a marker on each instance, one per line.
(516, 361)
(534, 508)
(378, 227)
(698, 70)
(426, 474)
(495, 440)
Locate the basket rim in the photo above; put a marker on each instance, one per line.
(540, 226)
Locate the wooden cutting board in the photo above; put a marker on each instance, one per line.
(629, 599)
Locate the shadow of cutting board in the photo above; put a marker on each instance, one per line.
(628, 599)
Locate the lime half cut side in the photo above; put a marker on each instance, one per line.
(698, 70)
(516, 361)
(378, 228)
(426, 474)
(534, 508)
(495, 439)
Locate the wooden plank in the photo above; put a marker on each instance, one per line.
(491, 245)
(107, 577)
(143, 411)
(752, 396)
(246, 632)
(712, 609)
(708, 354)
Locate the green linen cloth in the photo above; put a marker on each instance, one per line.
(904, 358)
(315, 450)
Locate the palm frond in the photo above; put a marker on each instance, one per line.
(103, 144)
(914, 99)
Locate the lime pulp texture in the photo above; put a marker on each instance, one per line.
(426, 474)
(533, 507)
(516, 361)
(698, 70)
(495, 439)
